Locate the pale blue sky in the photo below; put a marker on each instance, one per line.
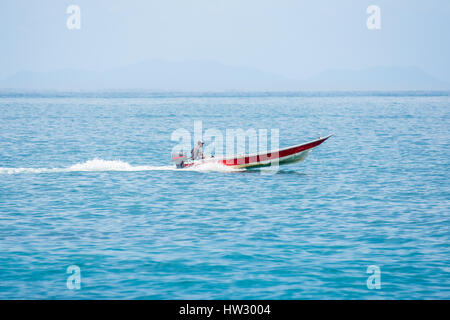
(292, 38)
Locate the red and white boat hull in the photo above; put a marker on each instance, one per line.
(283, 156)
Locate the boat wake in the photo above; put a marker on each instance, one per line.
(100, 165)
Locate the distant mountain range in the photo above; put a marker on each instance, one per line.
(212, 76)
(376, 78)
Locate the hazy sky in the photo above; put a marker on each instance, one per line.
(289, 37)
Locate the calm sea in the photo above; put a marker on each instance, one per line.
(86, 181)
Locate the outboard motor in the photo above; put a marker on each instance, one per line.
(179, 160)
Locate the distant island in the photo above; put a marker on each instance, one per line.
(214, 76)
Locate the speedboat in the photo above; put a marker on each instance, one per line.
(283, 156)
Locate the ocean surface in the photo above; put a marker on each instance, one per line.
(86, 180)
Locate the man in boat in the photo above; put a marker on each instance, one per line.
(196, 152)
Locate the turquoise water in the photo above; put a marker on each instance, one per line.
(85, 180)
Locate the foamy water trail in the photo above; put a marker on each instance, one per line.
(99, 165)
